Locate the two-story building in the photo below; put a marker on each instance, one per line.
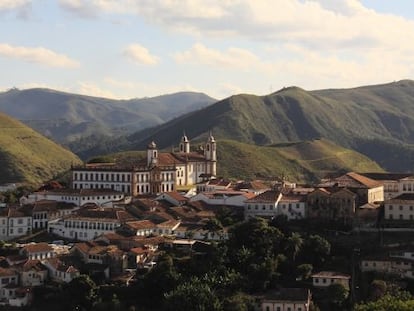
(159, 172)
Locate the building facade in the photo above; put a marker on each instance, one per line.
(159, 172)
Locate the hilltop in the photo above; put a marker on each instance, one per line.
(28, 157)
(377, 121)
(67, 117)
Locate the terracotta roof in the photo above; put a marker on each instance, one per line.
(254, 185)
(331, 274)
(351, 180)
(140, 224)
(269, 196)
(169, 224)
(293, 198)
(37, 248)
(177, 196)
(386, 176)
(34, 264)
(109, 214)
(7, 272)
(219, 182)
(61, 266)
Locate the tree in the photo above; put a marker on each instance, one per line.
(80, 292)
(194, 295)
(316, 250)
(387, 303)
(213, 225)
(304, 271)
(337, 294)
(294, 245)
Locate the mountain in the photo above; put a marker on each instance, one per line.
(67, 117)
(27, 156)
(377, 121)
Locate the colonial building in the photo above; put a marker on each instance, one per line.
(400, 208)
(87, 224)
(263, 205)
(159, 172)
(14, 222)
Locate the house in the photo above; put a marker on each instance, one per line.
(79, 197)
(14, 222)
(400, 208)
(367, 190)
(93, 254)
(332, 204)
(399, 263)
(45, 210)
(33, 273)
(394, 184)
(223, 197)
(293, 206)
(264, 205)
(286, 299)
(140, 227)
(159, 172)
(59, 271)
(326, 278)
(8, 276)
(37, 251)
(88, 223)
(167, 227)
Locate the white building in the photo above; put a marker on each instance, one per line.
(327, 278)
(14, 222)
(79, 197)
(286, 299)
(159, 172)
(400, 208)
(59, 271)
(223, 197)
(264, 205)
(87, 224)
(292, 206)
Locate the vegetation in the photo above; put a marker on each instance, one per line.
(301, 161)
(28, 157)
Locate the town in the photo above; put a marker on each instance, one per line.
(167, 231)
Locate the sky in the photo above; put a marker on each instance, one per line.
(142, 48)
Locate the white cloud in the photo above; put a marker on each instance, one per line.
(140, 55)
(13, 4)
(39, 55)
(231, 58)
(92, 89)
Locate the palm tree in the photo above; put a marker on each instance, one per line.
(294, 244)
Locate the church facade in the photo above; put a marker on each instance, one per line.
(159, 172)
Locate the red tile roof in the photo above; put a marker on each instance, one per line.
(37, 248)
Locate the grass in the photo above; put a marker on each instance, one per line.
(26, 156)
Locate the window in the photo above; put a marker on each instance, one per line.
(390, 207)
(401, 208)
(401, 216)
(20, 221)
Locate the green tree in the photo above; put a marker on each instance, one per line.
(80, 293)
(387, 303)
(316, 250)
(304, 271)
(294, 245)
(337, 294)
(194, 295)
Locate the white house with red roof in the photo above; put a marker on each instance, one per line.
(159, 172)
(88, 223)
(14, 222)
(264, 205)
(223, 197)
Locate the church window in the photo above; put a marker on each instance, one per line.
(208, 147)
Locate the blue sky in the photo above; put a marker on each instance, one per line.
(139, 48)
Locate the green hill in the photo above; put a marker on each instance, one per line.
(377, 121)
(27, 156)
(300, 161)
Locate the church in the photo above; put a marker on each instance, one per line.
(159, 172)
